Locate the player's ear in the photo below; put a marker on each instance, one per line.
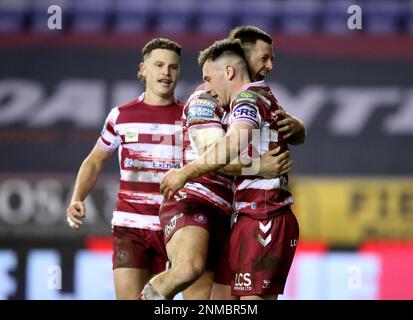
(141, 74)
(142, 69)
(229, 72)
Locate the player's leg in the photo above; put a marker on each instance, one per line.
(201, 288)
(187, 251)
(221, 287)
(131, 261)
(222, 292)
(129, 282)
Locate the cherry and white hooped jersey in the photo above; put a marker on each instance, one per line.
(205, 122)
(255, 196)
(149, 143)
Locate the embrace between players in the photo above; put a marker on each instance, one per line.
(219, 225)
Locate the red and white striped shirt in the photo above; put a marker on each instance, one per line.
(149, 143)
(203, 118)
(255, 196)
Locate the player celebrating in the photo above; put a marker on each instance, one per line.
(258, 50)
(265, 224)
(144, 132)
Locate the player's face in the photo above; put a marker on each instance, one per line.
(260, 58)
(215, 83)
(161, 71)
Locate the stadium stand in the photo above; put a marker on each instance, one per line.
(380, 17)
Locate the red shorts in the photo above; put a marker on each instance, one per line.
(138, 248)
(192, 211)
(262, 252)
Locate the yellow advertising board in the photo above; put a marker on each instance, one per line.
(348, 211)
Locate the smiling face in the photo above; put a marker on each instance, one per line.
(260, 58)
(215, 81)
(160, 70)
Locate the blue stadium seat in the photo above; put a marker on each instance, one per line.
(40, 16)
(12, 14)
(174, 16)
(335, 16)
(132, 15)
(91, 15)
(215, 16)
(382, 16)
(299, 16)
(264, 14)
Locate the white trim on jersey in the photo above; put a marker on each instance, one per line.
(260, 183)
(201, 189)
(108, 136)
(105, 147)
(149, 128)
(157, 151)
(288, 200)
(141, 176)
(133, 220)
(145, 197)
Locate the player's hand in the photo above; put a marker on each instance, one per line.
(289, 125)
(274, 164)
(75, 213)
(172, 181)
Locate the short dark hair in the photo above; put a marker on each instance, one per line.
(249, 35)
(219, 48)
(158, 43)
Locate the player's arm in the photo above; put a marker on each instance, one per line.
(85, 181)
(215, 157)
(292, 128)
(271, 164)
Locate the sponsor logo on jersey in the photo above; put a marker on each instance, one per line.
(172, 224)
(135, 163)
(264, 241)
(245, 110)
(245, 95)
(129, 163)
(201, 110)
(243, 282)
(203, 103)
(165, 165)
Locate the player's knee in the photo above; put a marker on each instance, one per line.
(191, 270)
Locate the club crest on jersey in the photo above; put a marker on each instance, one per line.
(266, 284)
(245, 110)
(132, 135)
(200, 218)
